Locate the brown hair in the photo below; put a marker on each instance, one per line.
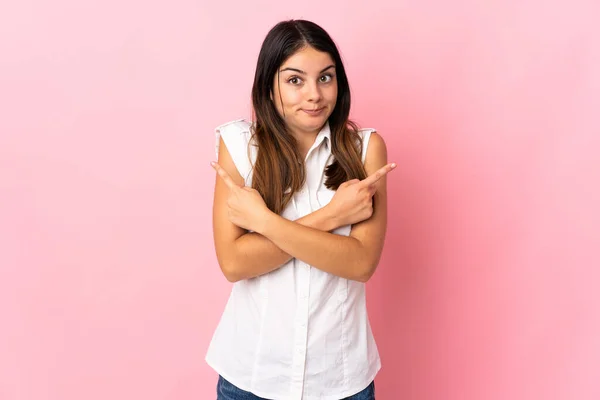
(278, 165)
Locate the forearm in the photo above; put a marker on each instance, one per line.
(343, 256)
(257, 255)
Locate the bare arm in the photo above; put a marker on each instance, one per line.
(259, 255)
(354, 257)
(243, 254)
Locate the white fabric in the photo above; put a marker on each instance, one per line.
(296, 333)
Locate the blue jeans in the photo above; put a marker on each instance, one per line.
(228, 391)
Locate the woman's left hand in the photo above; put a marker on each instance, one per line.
(247, 209)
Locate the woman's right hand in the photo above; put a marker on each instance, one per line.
(353, 201)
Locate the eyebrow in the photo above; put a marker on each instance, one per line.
(304, 73)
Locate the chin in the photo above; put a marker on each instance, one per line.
(314, 126)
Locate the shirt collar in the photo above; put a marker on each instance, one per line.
(324, 134)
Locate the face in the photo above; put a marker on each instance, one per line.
(306, 91)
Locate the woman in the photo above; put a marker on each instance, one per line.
(299, 222)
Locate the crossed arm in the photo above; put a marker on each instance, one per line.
(276, 240)
(253, 254)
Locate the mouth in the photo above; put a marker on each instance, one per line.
(315, 112)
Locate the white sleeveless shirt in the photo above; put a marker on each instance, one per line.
(296, 333)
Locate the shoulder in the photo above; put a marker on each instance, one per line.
(377, 144)
(236, 136)
(235, 126)
(366, 132)
(373, 144)
(376, 153)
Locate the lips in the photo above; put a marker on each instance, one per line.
(314, 112)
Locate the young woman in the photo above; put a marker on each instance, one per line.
(299, 222)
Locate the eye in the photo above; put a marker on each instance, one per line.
(294, 80)
(326, 78)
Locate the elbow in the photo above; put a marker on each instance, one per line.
(364, 277)
(230, 271)
(232, 277)
(228, 263)
(366, 272)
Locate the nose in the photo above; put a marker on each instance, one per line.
(314, 92)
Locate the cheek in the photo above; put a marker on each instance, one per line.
(286, 101)
(333, 93)
(291, 97)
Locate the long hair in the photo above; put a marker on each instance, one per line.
(279, 169)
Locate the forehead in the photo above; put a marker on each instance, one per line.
(308, 59)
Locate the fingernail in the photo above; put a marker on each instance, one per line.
(393, 165)
(212, 163)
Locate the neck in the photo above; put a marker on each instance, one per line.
(305, 141)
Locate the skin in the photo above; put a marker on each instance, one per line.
(274, 240)
(306, 81)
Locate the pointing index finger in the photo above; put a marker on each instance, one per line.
(225, 176)
(377, 175)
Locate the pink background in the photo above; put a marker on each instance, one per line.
(488, 286)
